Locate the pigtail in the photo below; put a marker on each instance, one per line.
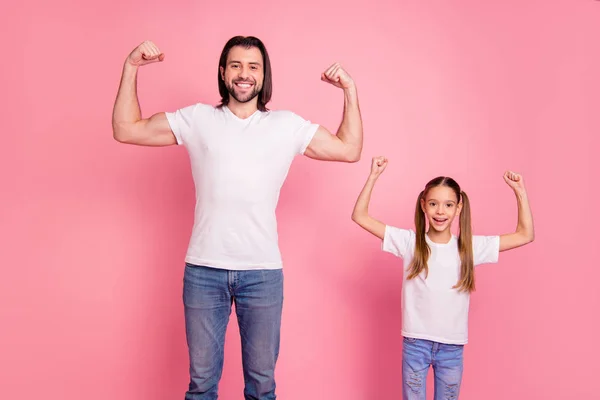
(465, 247)
(419, 262)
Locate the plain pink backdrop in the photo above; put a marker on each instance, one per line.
(93, 233)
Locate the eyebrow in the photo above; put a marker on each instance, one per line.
(239, 62)
(446, 201)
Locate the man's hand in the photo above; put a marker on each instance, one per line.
(338, 77)
(145, 53)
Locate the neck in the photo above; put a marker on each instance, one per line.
(243, 110)
(439, 237)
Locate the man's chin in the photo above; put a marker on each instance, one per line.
(244, 99)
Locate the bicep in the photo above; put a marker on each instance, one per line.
(510, 241)
(325, 146)
(372, 225)
(153, 131)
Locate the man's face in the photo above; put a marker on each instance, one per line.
(243, 73)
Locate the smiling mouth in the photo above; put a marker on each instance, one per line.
(440, 220)
(244, 85)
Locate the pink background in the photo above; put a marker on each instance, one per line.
(93, 233)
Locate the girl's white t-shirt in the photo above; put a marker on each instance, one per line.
(431, 308)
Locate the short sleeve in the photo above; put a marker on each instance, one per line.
(181, 122)
(303, 132)
(486, 249)
(398, 241)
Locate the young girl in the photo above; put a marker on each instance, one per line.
(438, 275)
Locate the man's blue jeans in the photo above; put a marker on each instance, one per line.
(208, 294)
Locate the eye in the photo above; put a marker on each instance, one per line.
(449, 205)
(254, 67)
(431, 204)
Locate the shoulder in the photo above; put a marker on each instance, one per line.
(398, 241)
(399, 234)
(486, 249)
(195, 108)
(207, 108)
(482, 240)
(281, 115)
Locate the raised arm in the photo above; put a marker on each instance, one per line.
(127, 122)
(524, 233)
(346, 144)
(360, 215)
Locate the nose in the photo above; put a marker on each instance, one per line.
(439, 210)
(243, 72)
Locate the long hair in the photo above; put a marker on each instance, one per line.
(264, 96)
(465, 237)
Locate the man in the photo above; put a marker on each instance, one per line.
(240, 154)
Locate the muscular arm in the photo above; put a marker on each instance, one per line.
(346, 144)
(127, 122)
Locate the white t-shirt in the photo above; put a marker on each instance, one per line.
(238, 168)
(431, 308)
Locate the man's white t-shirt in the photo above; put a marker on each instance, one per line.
(238, 167)
(431, 308)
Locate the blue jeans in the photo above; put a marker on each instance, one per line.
(208, 294)
(447, 363)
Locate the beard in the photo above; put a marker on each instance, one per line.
(243, 97)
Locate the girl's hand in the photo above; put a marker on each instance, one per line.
(515, 181)
(378, 166)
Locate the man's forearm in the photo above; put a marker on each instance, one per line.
(351, 131)
(127, 108)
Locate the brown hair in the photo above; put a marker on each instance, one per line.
(264, 96)
(465, 237)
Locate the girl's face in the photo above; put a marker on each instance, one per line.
(440, 207)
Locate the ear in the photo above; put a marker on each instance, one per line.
(459, 208)
(422, 204)
(222, 70)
